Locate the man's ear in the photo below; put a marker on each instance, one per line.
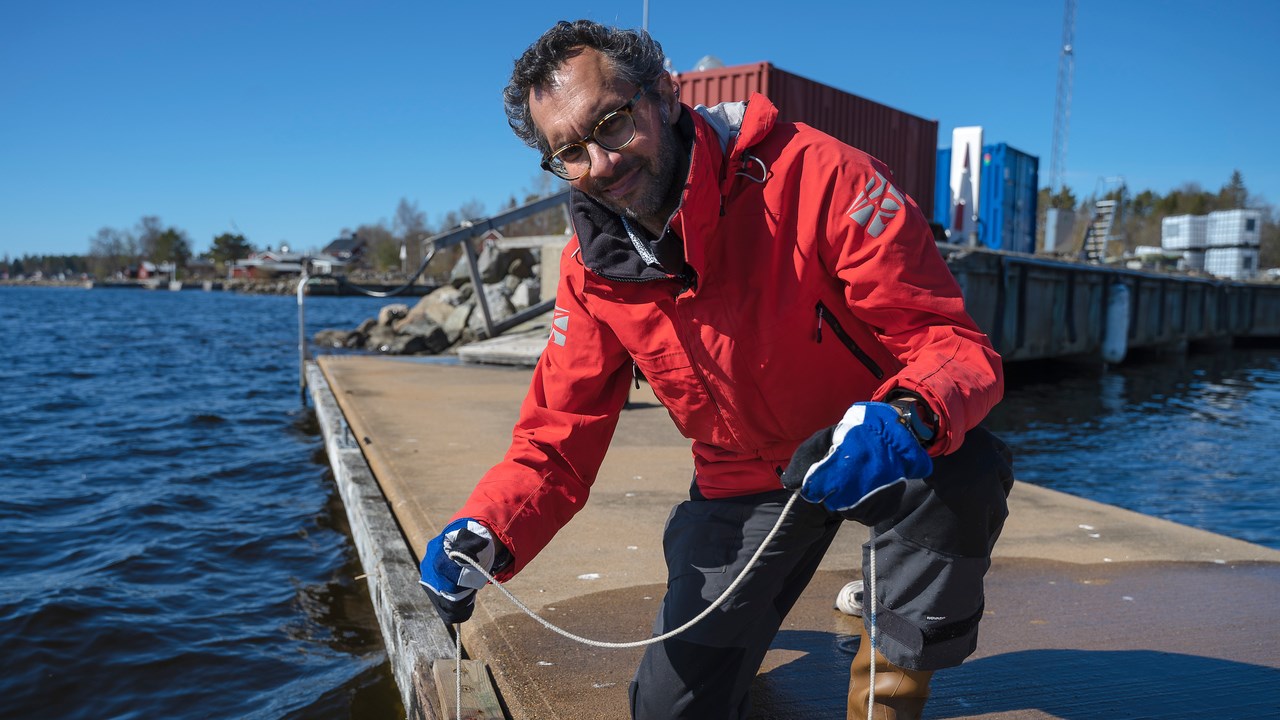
(670, 94)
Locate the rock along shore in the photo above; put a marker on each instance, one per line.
(450, 315)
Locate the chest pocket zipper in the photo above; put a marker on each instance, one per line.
(859, 353)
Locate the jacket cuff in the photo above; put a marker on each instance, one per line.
(942, 442)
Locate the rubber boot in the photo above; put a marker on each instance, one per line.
(900, 693)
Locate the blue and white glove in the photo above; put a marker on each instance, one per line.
(452, 584)
(868, 455)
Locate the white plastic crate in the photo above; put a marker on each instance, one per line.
(1182, 232)
(1234, 228)
(1237, 263)
(1193, 260)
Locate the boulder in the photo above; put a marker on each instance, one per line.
(332, 338)
(381, 339)
(494, 263)
(460, 274)
(500, 308)
(438, 306)
(390, 313)
(521, 264)
(527, 293)
(456, 324)
(404, 345)
(430, 336)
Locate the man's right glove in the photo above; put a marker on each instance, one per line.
(452, 584)
(867, 454)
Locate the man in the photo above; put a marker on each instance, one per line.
(787, 305)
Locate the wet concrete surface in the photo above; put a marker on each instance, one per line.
(1059, 640)
(1092, 611)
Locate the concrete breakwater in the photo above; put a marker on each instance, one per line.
(452, 314)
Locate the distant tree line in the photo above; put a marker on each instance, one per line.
(50, 266)
(114, 251)
(118, 252)
(1142, 214)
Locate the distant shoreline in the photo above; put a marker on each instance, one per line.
(276, 286)
(42, 283)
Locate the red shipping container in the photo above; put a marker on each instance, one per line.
(906, 143)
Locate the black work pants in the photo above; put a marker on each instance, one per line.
(933, 546)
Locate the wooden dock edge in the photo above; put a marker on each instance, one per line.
(416, 639)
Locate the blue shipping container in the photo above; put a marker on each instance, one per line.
(1007, 197)
(942, 189)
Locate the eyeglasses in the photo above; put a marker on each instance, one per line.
(614, 132)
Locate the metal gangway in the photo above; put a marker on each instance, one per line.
(463, 234)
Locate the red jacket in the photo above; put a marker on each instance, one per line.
(817, 288)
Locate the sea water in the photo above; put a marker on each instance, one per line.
(172, 544)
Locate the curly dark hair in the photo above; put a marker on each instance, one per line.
(633, 54)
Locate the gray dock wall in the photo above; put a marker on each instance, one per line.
(1036, 308)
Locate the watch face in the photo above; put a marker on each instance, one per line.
(922, 431)
(910, 417)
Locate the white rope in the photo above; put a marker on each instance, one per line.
(871, 695)
(871, 692)
(457, 666)
(650, 641)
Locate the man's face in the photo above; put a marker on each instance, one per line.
(640, 179)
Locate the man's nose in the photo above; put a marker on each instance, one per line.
(603, 162)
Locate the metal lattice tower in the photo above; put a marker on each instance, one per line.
(1062, 104)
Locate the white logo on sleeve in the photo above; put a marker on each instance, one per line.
(559, 325)
(872, 205)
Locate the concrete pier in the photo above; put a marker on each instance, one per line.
(1092, 611)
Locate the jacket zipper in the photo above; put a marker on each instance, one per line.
(688, 280)
(859, 353)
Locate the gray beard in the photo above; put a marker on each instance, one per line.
(664, 195)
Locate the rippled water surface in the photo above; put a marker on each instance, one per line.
(174, 547)
(1187, 438)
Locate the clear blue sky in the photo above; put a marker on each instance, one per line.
(291, 120)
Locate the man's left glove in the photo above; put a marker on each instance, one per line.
(846, 466)
(452, 584)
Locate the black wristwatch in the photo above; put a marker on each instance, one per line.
(916, 417)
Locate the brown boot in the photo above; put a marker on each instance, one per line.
(900, 693)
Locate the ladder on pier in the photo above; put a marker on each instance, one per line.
(1098, 236)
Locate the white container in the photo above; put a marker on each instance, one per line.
(1182, 232)
(1234, 228)
(1193, 260)
(1237, 263)
(1115, 339)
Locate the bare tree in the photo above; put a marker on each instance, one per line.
(409, 219)
(111, 251)
(383, 251)
(410, 225)
(148, 233)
